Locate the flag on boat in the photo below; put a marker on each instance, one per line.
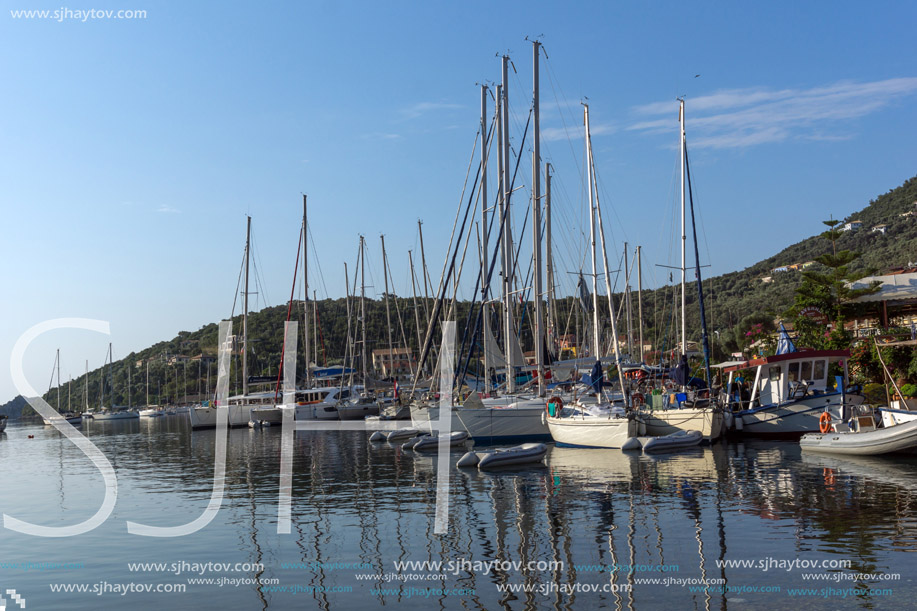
(583, 294)
(784, 343)
(396, 389)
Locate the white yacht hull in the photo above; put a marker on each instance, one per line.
(206, 417)
(793, 418)
(422, 415)
(663, 422)
(517, 423)
(592, 431)
(102, 416)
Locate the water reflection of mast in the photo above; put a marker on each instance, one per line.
(253, 526)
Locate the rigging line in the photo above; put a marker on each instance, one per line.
(318, 263)
(238, 286)
(560, 111)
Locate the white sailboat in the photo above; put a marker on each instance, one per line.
(240, 406)
(600, 425)
(706, 418)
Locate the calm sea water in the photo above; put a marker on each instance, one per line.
(670, 525)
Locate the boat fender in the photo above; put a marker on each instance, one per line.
(470, 459)
(377, 436)
(729, 419)
(824, 422)
(740, 422)
(632, 443)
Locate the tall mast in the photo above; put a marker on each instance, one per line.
(363, 309)
(416, 312)
(57, 366)
(628, 310)
(248, 237)
(485, 306)
(69, 393)
(130, 389)
(536, 223)
(549, 262)
(305, 283)
(314, 323)
(681, 123)
(611, 310)
(640, 299)
(148, 381)
(388, 316)
(509, 331)
(595, 292)
(86, 389)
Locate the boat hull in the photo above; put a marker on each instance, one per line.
(421, 417)
(898, 438)
(791, 420)
(592, 431)
(206, 417)
(708, 421)
(101, 417)
(512, 424)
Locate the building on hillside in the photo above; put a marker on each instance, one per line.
(882, 228)
(398, 361)
(780, 269)
(852, 226)
(767, 279)
(205, 360)
(895, 301)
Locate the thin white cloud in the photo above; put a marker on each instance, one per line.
(551, 134)
(422, 108)
(167, 209)
(382, 136)
(748, 117)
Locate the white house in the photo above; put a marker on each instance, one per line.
(880, 229)
(852, 226)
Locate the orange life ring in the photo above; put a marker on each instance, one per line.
(824, 422)
(556, 401)
(638, 399)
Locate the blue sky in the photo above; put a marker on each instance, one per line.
(131, 150)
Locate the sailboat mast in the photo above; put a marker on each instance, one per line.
(314, 324)
(86, 389)
(363, 310)
(305, 283)
(416, 311)
(388, 316)
(681, 124)
(611, 309)
(549, 262)
(130, 389)
(596, 352)
(640, 299)
(248, 237)
(148, 381)
(628, 309)
(57, 366)
(69, 393)
(536, 223)
(485, 306)
(509, 331)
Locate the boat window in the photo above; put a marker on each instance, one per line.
(774, 373)
(805, 372)
(345, 394)
(792, 373)
(819, 370)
